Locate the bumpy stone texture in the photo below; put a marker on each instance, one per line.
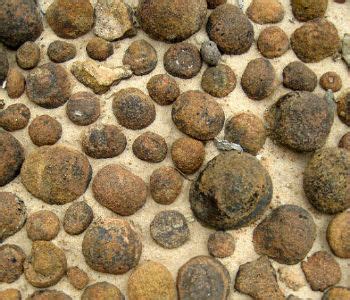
(61, 51)
(198, 115)
(331, 81)
(20, 21)
(56, 174)
(28, 55)
(42, 225)
(77, 218)
(299, 77)
(343, 105)
(230, 29)
(306, 10)
(338, 235)
(99, 49)
(15, 83)
(10, 294)
(345, 141)
(258, 279)
(4, 64)
(273, 42)
(11, 157)
(14, 117)
(11, 263)
(77, 277)
(265, 11)
(113, 20)
(48, 85)
(112, 246)
(210, 53)
(150, 281)
(119, 190)
(49, 295)
(150, 147)
(249, 185)
(315, 40)
(327, 180)
(221, 244)
(70, 19)
(337, 293)
(97, 77)
(102, 291)
(202, 276)
(45, 130)
(300, 120)
(163, 89)
(157, 18)
(286, 235)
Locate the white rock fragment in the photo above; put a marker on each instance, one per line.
(227, 146)
(346, 49)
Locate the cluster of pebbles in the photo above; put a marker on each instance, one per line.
(231, 191)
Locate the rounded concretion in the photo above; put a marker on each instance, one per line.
(42, 225)
(28, 55)
(163, 89)
(61, 51)
(343, 107)
(331, 81)
(273, 42)
(306, 10)
(45, 130)
(112, 246)
(338, 234)
(48, 295)
(150, 147)
(14, 117)
(102, 291)
(299, 77)
(99, 49)
(231, 192)
(221, 244)
(77, 218)
(11, 263)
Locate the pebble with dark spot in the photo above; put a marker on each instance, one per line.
(77, 278)
(150, 147)
(338, 235)
(70, 19)
(265, 11)
(48, 295)
(13, 214)
(169, 229)
(285, 235)
(28, 55)
(11, 263)
(48, 85)
(45, 130)
(165, 185)
(133, 109)
(299, 77)
(221, 244)
(61, 51)
(4, 64)
(10, 294)
(345, 141)
(259, 79)
(247, 130)
(219, 81)
(203, 277)
(301, 121)
(42, 225)
(327, 180)
(337, 293)
(83, 108)
(230, 29)
(258, 279)
(321, 271)
(99, 49)
(141, 57)
(14, 117)
(56, 174)
(306, 10)
(182, 60)
(343, 105)
(273, 42)
(102, 291)
(119, 190)
(112, 246)
(163, 89)
(215, 3)
(46, 264)
(210, 53)
(228, 179)
(187, 154)
(77, 218)
(198, 115)
(11, 157)
(331, 81)
(15, 83)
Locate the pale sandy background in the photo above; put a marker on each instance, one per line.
(284, 166)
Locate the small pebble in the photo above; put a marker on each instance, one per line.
(83, 108)
(203, 277)
(169, 229)
(102, 291)
(28, 55)
(215, 3)
(306, 10)
(45, 130)
(99, 49)
(103, 141)
(4, 64)
(77, 278)
(14, 117)
(10, 294)
(321, 271)
(221, 244)
(219, 81)
(273, 42)
(338, 235)
(42, 225)
(163, 89)
(165, 185)
(77, 218)
(292, 276)
(343, 107)
(299, 77)
(13, 214)
(210, 53)
(49, 295)
(11, 263)
(15, 83)
(133, 109)
(141, 56)
(150, 281)
(112, 246)
(61, 51)
(187, 154)
(345, 141)
(119, 190)
(259, 79)
(337, 293)
(331, 81)
(294, 222)
(247, 130)
(265, 11)
(150, 147)
(46, 264)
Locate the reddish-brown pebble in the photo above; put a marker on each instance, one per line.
(221, 244)
(299, 77)
(338, 234)
(150, 147)
(77, 218)
(10, 294)
(61, 51)
(345, 141)
(265, 11)
(45, 130)
(102, 291)
(15, 83)
(99, 49)
(28, 55)
(42, 225)
(77, 278)
(14, 117)
(49, 295)
(306, 10)
(11, 263)
(330, 81)
(163, 89)
(343, 105)
(273, 42)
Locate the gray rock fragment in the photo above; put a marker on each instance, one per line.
(346, 49)
(210, 53)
